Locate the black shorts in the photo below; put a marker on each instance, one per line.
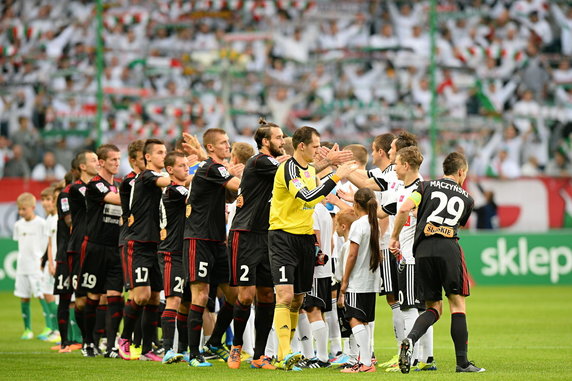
(292, 258)
(320, 295)
(360, 306)
(143, 266)
(62, 278)
(101, 269)
(173, 274)
(75, 269)
(388, 270)
(249, 263)
(408, 295)
(205, 261)
(441, 265)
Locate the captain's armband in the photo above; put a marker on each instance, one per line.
(416, 198)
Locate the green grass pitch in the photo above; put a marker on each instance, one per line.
(516, 333)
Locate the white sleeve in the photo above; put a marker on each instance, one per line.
(356, 233)
(316, 220)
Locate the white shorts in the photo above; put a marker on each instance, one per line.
(28, 285)
(47, 285)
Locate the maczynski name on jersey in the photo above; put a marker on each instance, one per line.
(446, 185)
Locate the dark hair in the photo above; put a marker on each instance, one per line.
(383, 142)
(411, 156)
(303, 135)
(365, 199)
(208, 136)
(405, 139)
(103, 151)
(453, 162)
(134, 147)
(148, 147)
(70, 175)
(80, 158)
(171, 158)
(264, 131)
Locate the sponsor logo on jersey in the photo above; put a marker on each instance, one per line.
(445, 231)
(102, 188)
(65, 204)
(223, 172)
(297, 183)
(182, 190)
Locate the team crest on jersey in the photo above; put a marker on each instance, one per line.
(297, 183)
(102, 188)
(307, 174)
(182, 190)
(274, 161)
(131, 183)
(188, 211)
(113, 188)
(65, 204)
(239, 201)
(82, 190)
(223, 172)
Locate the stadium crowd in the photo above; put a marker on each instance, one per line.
(351, 69)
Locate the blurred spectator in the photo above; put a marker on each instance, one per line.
(503, 167)
(5, 154)
(48, 169)
(27, 137)
(486, 212)
(559, 166)
(531, 167)
(17, 166)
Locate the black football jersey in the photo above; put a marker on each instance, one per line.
(77, 210)
(63, 232)
(444, 206)
(173, 218)
(125, 194)
(255, 193)
(102, 218)
(206, 203)
(143, 220)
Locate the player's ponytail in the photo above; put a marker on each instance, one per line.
(366, 201)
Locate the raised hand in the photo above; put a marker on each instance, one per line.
(236, 169)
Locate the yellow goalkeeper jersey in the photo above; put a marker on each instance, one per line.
(294, 195)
